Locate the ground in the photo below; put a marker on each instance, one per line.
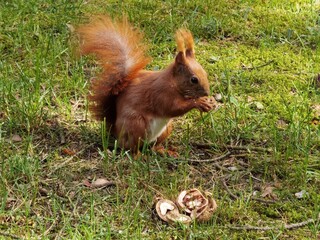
(258, 154)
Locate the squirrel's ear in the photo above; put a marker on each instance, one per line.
(180, 58)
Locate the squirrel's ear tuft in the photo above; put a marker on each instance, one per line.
(180, 41)
(189, 43)
(185, 42)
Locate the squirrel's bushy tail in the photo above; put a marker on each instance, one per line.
(121, 53)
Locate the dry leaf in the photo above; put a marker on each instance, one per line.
(10, 202)
(316, 110)
(16, 138)
(214, 59)
(71, 27)
(259, 105)
(317, 81)
(268, 192)
(246, 67)
(301, 194)
(69, 152)
(86, 183)
(43, 191)
(233, 168)
(101, 182)
(281, 124)
(316, 114)
(250, 99)
(315, 122)
(72, 194)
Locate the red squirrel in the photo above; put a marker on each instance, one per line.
(138, 105)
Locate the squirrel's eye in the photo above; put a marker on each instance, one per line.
(194, 80)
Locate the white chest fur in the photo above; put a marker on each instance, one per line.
(156, 127)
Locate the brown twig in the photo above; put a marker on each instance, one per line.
(284, 226)
(62, 136)
(228, 190)
(232, 147)
(257, 67)
(13, 236)
(239, 155)
(263, 200)
(247, 148)
(217, 165)
(202, 145)
(50, 228)
(211, 159)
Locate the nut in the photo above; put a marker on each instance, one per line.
(199, 206)
(169, 212)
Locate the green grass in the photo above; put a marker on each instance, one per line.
(256, 53)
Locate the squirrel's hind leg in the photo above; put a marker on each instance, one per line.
(131, 133)
(159, 148)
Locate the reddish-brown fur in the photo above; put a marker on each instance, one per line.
(132, 100)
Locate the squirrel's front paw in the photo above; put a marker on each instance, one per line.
(205, 104)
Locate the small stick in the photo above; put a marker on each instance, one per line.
(217, 165)
(62, 136)
(247, 148)
(211, 159)
(239, 155)
(263, 200)
(228, 190)
(49, 229)
(260, 66)
(201, 145)
(285, 226)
